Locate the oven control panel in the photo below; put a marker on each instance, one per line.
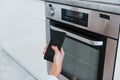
(99, 22)
(79, 18)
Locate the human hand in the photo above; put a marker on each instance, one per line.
(56, 66)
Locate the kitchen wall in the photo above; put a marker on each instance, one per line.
(22, 33)
(17, 17)
(117, 65)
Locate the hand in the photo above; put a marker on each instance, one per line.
(56, 66)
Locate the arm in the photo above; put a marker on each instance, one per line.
(56, 66)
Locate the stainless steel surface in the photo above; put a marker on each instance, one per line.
(51, 10)
(95, 23)
(113, 2)
(108, 28)
(109, 59)
(90, 42)
(48, 39)
(112, 8)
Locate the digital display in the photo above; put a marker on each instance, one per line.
(79, 18)
(74, 14)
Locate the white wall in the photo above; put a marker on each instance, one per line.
(22, 33)
(117, 67)
(15, 16)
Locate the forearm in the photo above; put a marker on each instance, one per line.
(55, 70)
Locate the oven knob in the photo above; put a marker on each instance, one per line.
(51, 10)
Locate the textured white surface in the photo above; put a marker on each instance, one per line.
(117, 66)
(10, 70)
(22, 33)
(28, 52)
(20, 18)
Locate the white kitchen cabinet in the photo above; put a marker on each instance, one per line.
(15, 16)
(8, 66)
(22, 33)
(117, 65)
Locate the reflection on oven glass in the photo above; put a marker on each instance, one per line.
(81, 60)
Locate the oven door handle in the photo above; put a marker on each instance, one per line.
(85, 40)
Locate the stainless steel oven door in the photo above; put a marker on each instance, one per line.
(86, 57)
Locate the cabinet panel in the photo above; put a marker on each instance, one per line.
(22, 33)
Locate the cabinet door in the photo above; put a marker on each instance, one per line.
(117, 66)
(33, 8)
(22, 34)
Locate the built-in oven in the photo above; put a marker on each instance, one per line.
(90, 43)
(84, 52)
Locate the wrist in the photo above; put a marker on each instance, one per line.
(55, 72)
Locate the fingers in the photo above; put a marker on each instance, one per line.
(44, 52)
(45, 48)
(55, 49)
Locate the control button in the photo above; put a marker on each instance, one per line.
(50, 5)
(51, 10)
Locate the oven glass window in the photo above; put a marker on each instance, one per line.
(81, 61)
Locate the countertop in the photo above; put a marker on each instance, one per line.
(91, 5)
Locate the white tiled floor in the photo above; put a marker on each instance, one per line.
(10, 70)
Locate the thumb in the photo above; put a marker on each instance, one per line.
(55, 49)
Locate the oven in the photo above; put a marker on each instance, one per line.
(84, 55)
(90, 43)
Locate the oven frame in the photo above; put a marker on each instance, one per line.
(111, 32)
(110, 52)
(99, 45)
(110, 27)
